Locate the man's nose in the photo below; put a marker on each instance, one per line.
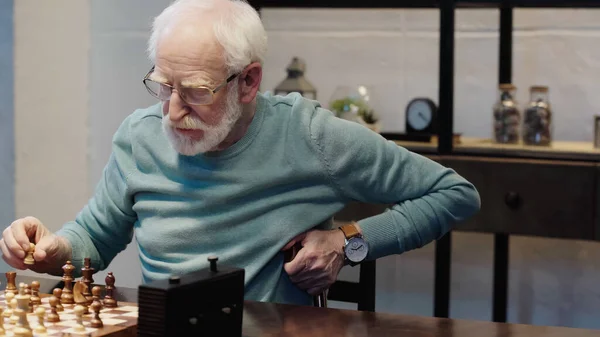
(177, 107)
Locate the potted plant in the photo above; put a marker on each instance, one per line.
(352, 105)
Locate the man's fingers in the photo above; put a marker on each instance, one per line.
(297, 265)
(48, 245)
(316, 290)
(20, 229)
(12, 245)
(9, 258)
(294, 241)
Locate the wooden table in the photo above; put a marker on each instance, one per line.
(268, 319)
(281, 320)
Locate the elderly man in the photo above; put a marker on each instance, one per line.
(219, 168)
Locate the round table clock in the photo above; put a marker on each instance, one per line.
(421, 116)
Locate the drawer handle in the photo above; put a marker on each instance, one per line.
(512, 200)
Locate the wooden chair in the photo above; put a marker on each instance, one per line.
(361, 292)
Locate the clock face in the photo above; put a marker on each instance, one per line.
(356, 249)
(419, 115)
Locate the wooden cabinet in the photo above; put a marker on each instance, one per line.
(532, 197)
(548, 198)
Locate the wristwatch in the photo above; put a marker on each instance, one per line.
(355, 246)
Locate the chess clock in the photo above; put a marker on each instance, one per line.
(421, 116)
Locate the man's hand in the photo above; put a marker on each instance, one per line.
(317, 265)
(50, 253)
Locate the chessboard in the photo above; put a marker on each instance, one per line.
(79, 308)
(117, 322)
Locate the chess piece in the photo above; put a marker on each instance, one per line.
(87, 271)
(14, 305)
(22, 332)
(29, 256)
(67, 292)
(53, 315)
(2, 332)
(57, 292)
(23, 306)
(109, 300)
(27, 292)
(11, 285)
(96, 322)
(96, 291)
(79, 327)
(35, 293)
(40, 312)
(8, 311)
(78, 296)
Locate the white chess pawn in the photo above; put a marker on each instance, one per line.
(13, 304)
(22, 332)
(79, 310)
(8, 312)
(40, 312)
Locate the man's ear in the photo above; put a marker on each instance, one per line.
(249, 82)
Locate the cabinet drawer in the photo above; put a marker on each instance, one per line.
(531, 197)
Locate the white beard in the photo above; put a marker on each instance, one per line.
(212, 135)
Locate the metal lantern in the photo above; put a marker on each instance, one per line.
(296, 82)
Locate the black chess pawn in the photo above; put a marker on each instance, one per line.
(57, 292)
(96, 322)
(52, 316)
(35, 293)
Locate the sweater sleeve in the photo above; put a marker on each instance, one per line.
(427, 199)
(104, 227)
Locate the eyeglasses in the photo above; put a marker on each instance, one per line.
(199, 95)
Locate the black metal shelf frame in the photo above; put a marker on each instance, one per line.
(447, 9)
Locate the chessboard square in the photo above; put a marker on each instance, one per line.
(112, 321)
(131, 314)
(107, 315)
(69, 322)
(66, 317)
(75, 332)
(128, 308)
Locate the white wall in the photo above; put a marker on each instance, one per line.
(552, 282)
(51, 108)
(7, 137)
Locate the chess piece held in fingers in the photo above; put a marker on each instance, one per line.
(29, 257)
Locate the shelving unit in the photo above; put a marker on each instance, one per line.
(446, 111)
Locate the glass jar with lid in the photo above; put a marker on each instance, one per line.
(537, 118)
(507, 117)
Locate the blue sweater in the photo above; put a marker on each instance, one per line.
(294, 169)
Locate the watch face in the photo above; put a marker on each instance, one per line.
(419, 115)
(356, 249)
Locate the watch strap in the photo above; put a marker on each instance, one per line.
(350, 231)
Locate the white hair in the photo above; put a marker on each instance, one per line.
(238, 29)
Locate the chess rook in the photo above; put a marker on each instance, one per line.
(11, 285)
